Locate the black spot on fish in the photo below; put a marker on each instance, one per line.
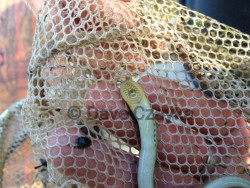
(97, 130)
(83, 142)
(95, 133)
(84, 130)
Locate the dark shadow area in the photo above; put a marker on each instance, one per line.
(235, 13)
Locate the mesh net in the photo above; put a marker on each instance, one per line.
(16, 158)
(194, 71)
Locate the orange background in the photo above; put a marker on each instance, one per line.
(17, 25)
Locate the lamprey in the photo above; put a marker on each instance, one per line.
(135, 98)
(229, 182)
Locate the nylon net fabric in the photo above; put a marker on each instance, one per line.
(16, 158)
(194, 71)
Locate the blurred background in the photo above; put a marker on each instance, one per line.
(17, 25)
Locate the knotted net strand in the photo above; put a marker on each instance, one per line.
(194, 70)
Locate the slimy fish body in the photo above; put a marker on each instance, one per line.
(134, 96)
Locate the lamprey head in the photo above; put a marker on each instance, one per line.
(132, 93)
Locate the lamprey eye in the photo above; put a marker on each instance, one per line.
(132, 92)
(83, 142)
